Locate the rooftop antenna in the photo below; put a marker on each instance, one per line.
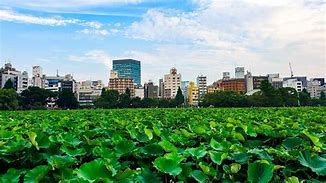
(291, 69)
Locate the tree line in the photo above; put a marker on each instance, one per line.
(35, 98)
(266, 97)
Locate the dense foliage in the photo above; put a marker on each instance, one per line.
(266, 97)
(164, 145)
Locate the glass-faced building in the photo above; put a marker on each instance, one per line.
(128, 68)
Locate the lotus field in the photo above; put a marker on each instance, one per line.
(164, 145)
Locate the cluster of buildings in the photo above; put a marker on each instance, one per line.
(126, 73)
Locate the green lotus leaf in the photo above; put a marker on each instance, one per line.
(168, 146)
(218, 157)
(313, 138)
(126, 174)
(57, 161)
(174, 156)
(152, 149)
(314, 162)
(219, 146)
(207, 169)
(292, 179)
(241, 158)
(235, 167)
(198, 152)
(70, 139)
(166, 165)
(149, 133)
(148, 176)
(199, 176)
(32, 138)
(94, 171)
(260, 172)
(36, 174)
(11, 176)
(42, 140)
(292, 142)
(124, 147)
(73, 151)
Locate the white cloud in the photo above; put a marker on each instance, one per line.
(66, 4)
(93, 56)
(11, 16)
(262, 35)
(96, 32)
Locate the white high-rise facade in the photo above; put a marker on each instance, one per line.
(239, 72)
(293, 83)
(202, 85)
(19, 79)
(172, 82)
(37, 80)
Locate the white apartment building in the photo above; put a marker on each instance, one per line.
(172, 82)
(314, 88)
(202, 85)
(140, 92)
(293, 83)
(88, 91)
(20, 80)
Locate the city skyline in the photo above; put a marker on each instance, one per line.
(195, 36)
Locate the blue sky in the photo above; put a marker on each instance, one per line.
(195, 36)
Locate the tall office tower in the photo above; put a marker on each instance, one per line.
(37, 80)
(193, 94)
(239, 72)
(202, 86)
(128, 68)
(172, 82)
(226, 75)
(150, 90)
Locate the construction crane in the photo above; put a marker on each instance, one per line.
(291, 69)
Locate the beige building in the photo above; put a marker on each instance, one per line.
(193, 94)
(172, 82)
(121, 84)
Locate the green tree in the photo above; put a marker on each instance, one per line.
(322, 98)
(35, 98)
(271, 97)
(304, 98)
(8, 99)
(179, 98)
(67, 99)
(125, 99)
(289, 96)
(9, 85)
(109, 99)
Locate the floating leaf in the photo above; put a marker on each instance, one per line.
(199, 176)
(93, 171)
(260, 172)
(166, 165)
(198, 152)
(218, 157)
(315, 163)
(36, 174)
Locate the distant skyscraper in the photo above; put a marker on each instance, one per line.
(172, 82)
(193, 94)
(202, 86)
(150, 90)
(37, 80)
(226, 75)
(128, 68)
(239, 72)
(161, 88)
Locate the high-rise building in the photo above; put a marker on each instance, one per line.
(68, 83)
(239, 72)
(315, 88)
(303, 79)
(275, 80)
(87, 92)
(121, 84)
(226, 75)
(172, 82)
(140, 92)
(193, 94)
(19, 80)
(293, 83)
(161, 88)
(128, 68)
(202, 85)
(52, 83)
(253, 82)
(113, 74)
(321, 80)
(150, 90)
(237, 85)
(37, 79)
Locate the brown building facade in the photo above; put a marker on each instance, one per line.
(237, 85)
(121, 84)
